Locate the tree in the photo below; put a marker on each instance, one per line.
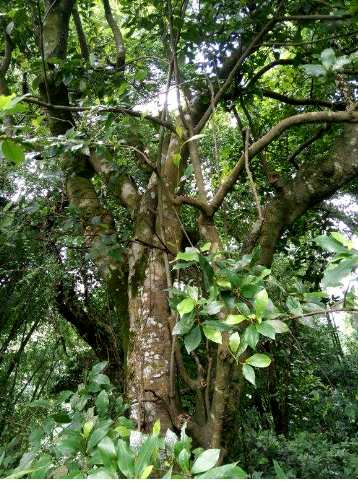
(123, 168)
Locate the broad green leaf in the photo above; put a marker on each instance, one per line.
(342, 239)
(261, 301)
(212, 334)
(193, 339)
(100, 473)
(206, 461)
(87, 428)
(205, 247)
(243, 308)
(251, 336)
(294, 306)
(99, 433)
(266, 329)
(221, 282)
(228, 471)
(330, 244)
(102, 403)
(213, 307)
(258, 360)
(190, 254)
(147, 452)
(217, 325)
(249, 373)
(125, 459)
(185, 324)
(106, 446)
(314, 70)
(13, 152)
(69, 443)
(328, 57)
(62, 418)
(279, 326)
(184, 460)
(101, 379)
(185, 306)
(233, 319)
(146, 472)
(234, 342)
(156, 428)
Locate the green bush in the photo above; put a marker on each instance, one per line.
(307, 455)
(86, 435)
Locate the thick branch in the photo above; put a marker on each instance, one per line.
(118, 39)
(310, 18)
(266, 68)
(313, 184)
(274, 133)
(5, 63)
(120, 185)
(299, 101)
(80, 33)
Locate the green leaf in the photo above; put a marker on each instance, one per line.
(106, 446)
(102, 403)
(13, 152)
(146, 472)
(234, 342)
(342, 239)
(125, 459)
(100, 473)
(294, 306)
(212, 334)
(176, 158)
(184, 459)
(205, 247)
(87, 428)
(156, 428)
(233, 319)
(193, 339)
(62, 418)
(278, 326)
(251, 336)
(258, 360)
(69, 443)
(228, 471)
(185, 324)
(101, 379)
(249, 373)
(221, 282)
(261, 301)
(266, 329)
(314, 70)
(191, 254)
(185, 306)
(328, 58)
(330, 244)
(99, 367)
(141, 74)
(213, 307)
(99, 433)
(280, 474)
(206, 461)
(146, 453)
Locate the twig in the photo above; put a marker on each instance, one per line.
(250, 178)
(100, 109)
